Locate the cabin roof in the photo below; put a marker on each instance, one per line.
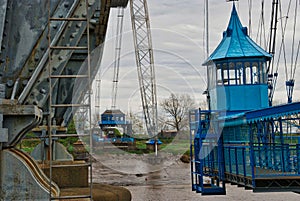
(236, 43)
(112, 111)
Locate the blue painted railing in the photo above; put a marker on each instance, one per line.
(262, 161)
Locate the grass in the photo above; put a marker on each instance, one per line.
(168, 146)
(28, 145)
(176, 147)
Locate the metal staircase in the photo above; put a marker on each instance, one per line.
(205, 149)
(76, 25)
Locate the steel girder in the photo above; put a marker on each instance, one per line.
(23, 65)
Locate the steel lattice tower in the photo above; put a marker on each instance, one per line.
(145, 62)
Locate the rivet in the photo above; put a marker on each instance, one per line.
(66, 5)
(72, 35)
(36, 58)
(24, 82)
(83, 15)
(78, 25)
(60, 15)
(43, 91)
(10, 83)
(60, 57)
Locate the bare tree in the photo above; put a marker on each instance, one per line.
(137, 124)
(177, 108)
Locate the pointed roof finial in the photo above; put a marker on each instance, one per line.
(233, 2)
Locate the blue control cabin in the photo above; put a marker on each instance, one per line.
(111, 120)
(237, 71)
(241, 139)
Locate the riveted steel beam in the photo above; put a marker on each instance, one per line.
(72, 36)
(24, 23)
(3, 5)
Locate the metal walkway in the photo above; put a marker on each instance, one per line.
(259, 150)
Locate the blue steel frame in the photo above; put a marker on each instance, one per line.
(207, 162)
(261, 150)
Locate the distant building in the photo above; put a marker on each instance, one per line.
(112, 119)
(167, 134)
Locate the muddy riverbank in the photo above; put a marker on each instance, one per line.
(167, 180)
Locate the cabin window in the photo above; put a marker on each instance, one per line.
(212, 76)
(225, 73)
(237, 73)
(248, 73)
(219, 76)
(240, 73)
(232, 74)
(256, 73)
(263, 72)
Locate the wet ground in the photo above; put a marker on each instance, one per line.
(167, 179)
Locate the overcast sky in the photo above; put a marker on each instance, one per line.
(177, 28)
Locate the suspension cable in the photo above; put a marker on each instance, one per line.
(261, 33)
(204, 30)
(118, 45)
(282, 45)
(272, 39)
(250, 16)
(293, 42)
(290, 77)
(296, 60)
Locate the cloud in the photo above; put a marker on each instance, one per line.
(179, 48)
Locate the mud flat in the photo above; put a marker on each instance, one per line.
(168, 179)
